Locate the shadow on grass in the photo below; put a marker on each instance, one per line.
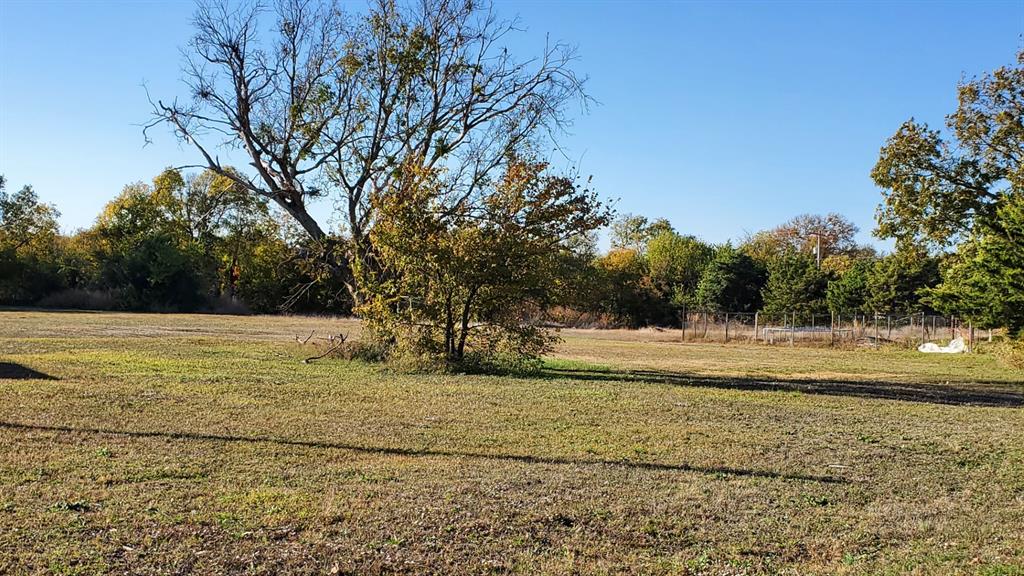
(412, 452)
(12, 371)
(948, 394)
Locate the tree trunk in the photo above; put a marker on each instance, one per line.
(449, 329)
(465, 323)
(337, 263)
(299, 213)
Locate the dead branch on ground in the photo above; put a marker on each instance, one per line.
(338, 342)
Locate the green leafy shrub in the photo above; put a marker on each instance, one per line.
(455, 284)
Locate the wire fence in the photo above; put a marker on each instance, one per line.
(831, 328)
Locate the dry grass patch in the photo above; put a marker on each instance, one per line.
(158, 449)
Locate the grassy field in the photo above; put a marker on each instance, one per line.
(168, 444)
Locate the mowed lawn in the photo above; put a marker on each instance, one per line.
(170, 444)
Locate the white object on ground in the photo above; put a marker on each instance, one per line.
(956, 346)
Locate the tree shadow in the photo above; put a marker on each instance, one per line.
(12, 371)
(986, 394)
(414, 452)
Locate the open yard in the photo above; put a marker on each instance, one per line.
(168, 444)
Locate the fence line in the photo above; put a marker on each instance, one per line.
(833, 328)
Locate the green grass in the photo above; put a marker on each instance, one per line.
(177, 443)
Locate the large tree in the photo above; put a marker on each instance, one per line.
(795, 285)
(962, 186)
(939, 186)
(628, 293)
(849, 291)
(633, 232)
(732, 282)
(834, 233)
(338, 102)
(898, 281)
(141, 256)
(676, 263)
(24, 219)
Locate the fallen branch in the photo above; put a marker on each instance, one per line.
(341, 343)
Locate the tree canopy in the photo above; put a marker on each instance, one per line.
(795, 285)
(962, 186)
(28, 237)
(936, 187)
(337, 102)
(633, 232)
(452, 278)
(731, 282)
(676, 264)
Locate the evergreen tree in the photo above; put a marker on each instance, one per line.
(897, 281)
(849, 292)
(732, 282)
(795, 285)
(985, 280)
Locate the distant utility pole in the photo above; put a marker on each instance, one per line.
(817, 248)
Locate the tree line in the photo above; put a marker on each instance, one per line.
(451, 237)
(195, 242)
(808, 265)
(181, 243)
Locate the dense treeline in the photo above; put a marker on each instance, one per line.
(182, 243)
(810, 264)
(199, 242)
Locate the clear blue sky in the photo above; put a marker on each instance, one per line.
(721, 117)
